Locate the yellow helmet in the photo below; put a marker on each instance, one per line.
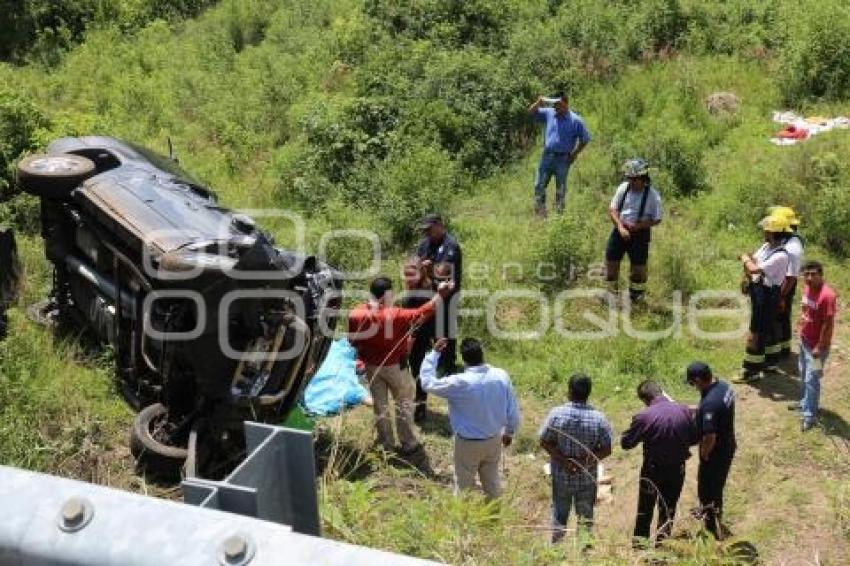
(775, 223)
(785, 212)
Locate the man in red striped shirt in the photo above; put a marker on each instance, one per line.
(379, 332)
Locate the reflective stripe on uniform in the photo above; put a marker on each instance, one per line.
(635, 286)
(773, 349)
(754, 358)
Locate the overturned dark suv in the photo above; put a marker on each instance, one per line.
(211, 324)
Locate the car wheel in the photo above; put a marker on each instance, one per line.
(148, 438)
(53, 176)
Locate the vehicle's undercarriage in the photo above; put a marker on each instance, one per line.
(211, 324)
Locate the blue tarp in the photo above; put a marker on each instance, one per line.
(335, 386)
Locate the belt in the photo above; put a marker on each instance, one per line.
(474, 439)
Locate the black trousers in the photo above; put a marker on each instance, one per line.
(662, 485)
(763, 345)
(711, 479)
(442, 325)
(785, 333)
(421, 345)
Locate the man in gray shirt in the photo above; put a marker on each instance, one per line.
(634, 210)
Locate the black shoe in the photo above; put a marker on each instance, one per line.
(420, 413)
(747, 376)
(411, 450)
(806, 425)
(794, 407)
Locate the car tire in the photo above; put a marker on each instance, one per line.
(151, 454)
(54, 176)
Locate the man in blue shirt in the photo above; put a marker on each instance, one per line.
(715, 421)
(440, 255)
(564, 137)
(483, 413)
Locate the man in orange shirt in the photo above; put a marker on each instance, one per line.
(379, 332)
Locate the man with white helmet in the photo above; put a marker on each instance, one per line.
(794, 245)
(765, 271)
(634, 210)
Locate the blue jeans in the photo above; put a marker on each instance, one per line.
(551, 164)
(810, 374)
(564, 496)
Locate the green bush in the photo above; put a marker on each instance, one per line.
(827, 204)
(20, 121)
(744, 28)
(672, 251)
(23, 211)
(830, 220)
(472, 103)
(447, 22)
(416, 180)
(44, 29)
(655, 25)
(659, 114)
(355, 134)
(575, 240)
(815, 61)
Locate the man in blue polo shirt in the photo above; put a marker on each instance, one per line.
(564, 137)
(715, 422)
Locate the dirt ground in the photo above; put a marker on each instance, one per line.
(788, 492)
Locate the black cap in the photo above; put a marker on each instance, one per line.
(429, 220)
(697, 370)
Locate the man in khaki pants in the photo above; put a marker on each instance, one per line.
(483, 413)
(379, 332)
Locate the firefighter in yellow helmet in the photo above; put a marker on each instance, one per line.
(765, 272)
(794, 245)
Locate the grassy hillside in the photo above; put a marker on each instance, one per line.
(366, 115)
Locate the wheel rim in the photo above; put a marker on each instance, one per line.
(161, 431)
(56, 164)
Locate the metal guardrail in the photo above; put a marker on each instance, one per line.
(47, 520)
(276, 481)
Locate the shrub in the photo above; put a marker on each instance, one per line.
(354, 134)
(595, 35)
(44, 29)
(447, 22)
(830, 220)
(673, 150)
(575, 240)
(347, 253)
(748, 28)
(660, 116)
(20, 121)
(472, 103)
(655, 25)
(672, 251)
(816, 59)
(23, 211)
(415, 180)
